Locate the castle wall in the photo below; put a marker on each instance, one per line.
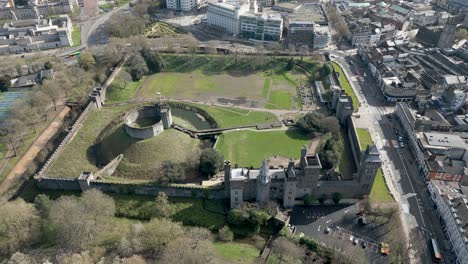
(354, 142)
(143, 132)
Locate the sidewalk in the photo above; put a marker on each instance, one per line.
(24, 162)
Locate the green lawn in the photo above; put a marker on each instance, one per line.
(231, 116)
(280, 100)
(346, 85)
(224, 78)
(237, 252)
(115, 94)
(379, 192)
(249, 148)
(365, 138)
(76, 36)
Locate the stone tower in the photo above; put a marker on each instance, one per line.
(263, 184)
(370, 164)
(311, 167)
(227, 177)
(166, 116)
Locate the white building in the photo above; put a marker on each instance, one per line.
(183, 5)
(364, 34)
(262, 26)
(226, 15)
(451, 203)
(321, 36)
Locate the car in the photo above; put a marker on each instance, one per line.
(355, 241)
(384, 248)
(364, 244)
(402, 145)
(400, 138)
(327, 230)
(363, 220)
(351, 238)
(395, 131)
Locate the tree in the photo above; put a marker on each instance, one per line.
(337, 197)
(211, 161)
(162, 207)
(48, 65)
(20, 258)
(290, 64)
(124, 25)
(137, 67)
(5, 83)
(158, 233)
(153, 60)
(187, 251)
(325, 70)
(329, 150)
(86, 60)
(323, 198)
(171, 172)
(19, 69)
(42, 203)
(286, 248)
(75, 258)
(225, 234)
(309, 199)
(19, 226)
(124, 78)
(52, 90)
(198, 234)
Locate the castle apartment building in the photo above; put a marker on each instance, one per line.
(451, 202)
(226, 15)
(35, 34)
(261, 26)
(183, 5)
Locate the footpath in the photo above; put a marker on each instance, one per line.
(33, 150)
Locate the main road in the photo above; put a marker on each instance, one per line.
(399, 167)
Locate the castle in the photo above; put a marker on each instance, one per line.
(297, 179)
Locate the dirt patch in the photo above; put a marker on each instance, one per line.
(234, 101)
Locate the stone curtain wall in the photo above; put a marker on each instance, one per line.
(126, 188)
(354, 142)
(76, 126)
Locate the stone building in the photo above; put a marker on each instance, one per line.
(289, 183)
(183, 5)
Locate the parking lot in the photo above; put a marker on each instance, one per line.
(338, 227)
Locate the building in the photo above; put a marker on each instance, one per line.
(262, 26)
(226, 15)
(429, 18)
(36, 10)
(453, 6)
(451, 204)
(183, 5)
(455, 98)
(288, 181)
(364, 33)
(32, 79)
(35, 34)
(306, 24)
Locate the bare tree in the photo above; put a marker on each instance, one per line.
(158, 234)
(187, 251)
(52, 90)
(19, 226)
(284, 247)
(124, 79)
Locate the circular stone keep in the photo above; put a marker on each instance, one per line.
(147, 121)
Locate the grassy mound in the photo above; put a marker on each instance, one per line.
(143, 158)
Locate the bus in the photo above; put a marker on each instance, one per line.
(73, 54)
(436, 256)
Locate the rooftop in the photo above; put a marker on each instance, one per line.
(444, 140)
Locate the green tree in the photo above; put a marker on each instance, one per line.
(158, 233)
(337, 197)
(162, 207)
(42, 204)
(325, 70)
(290, 64)
(171, 172)
(153, 59)
(86, 60)
(48, 65)
(5, 83)
(211, 161)
(309, 199)
(137, 67)
(225, 234)
(323, 198)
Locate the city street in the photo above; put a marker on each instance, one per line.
(398, 164)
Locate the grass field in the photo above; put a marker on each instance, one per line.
(244, 80)
(249, 148)
(379, 192)
(230, 116)
(346, 85)
(237, 252)
(115, 94)
(76, 36)
(365, 138)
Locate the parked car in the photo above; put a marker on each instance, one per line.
(364, 244)
(363, 220)
(327, 230)
(355, 241)
(402, 145)
(384, 248)
(400, 138)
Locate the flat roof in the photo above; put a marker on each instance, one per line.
(444, 140)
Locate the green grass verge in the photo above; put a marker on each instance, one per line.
(365, 138)
(266, 87)
(237, 252)
(346, 85)
(115, 94)
(280, 100)
(379, 192)
(76, 36)
(231, 116)
(249, 148)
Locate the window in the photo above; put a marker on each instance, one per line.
(236, 199)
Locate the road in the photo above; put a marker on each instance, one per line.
(398, 164)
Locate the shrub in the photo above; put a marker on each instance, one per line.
(225, 234)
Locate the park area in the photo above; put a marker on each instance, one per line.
(246, 81)
(102, 138)
(249, 148)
